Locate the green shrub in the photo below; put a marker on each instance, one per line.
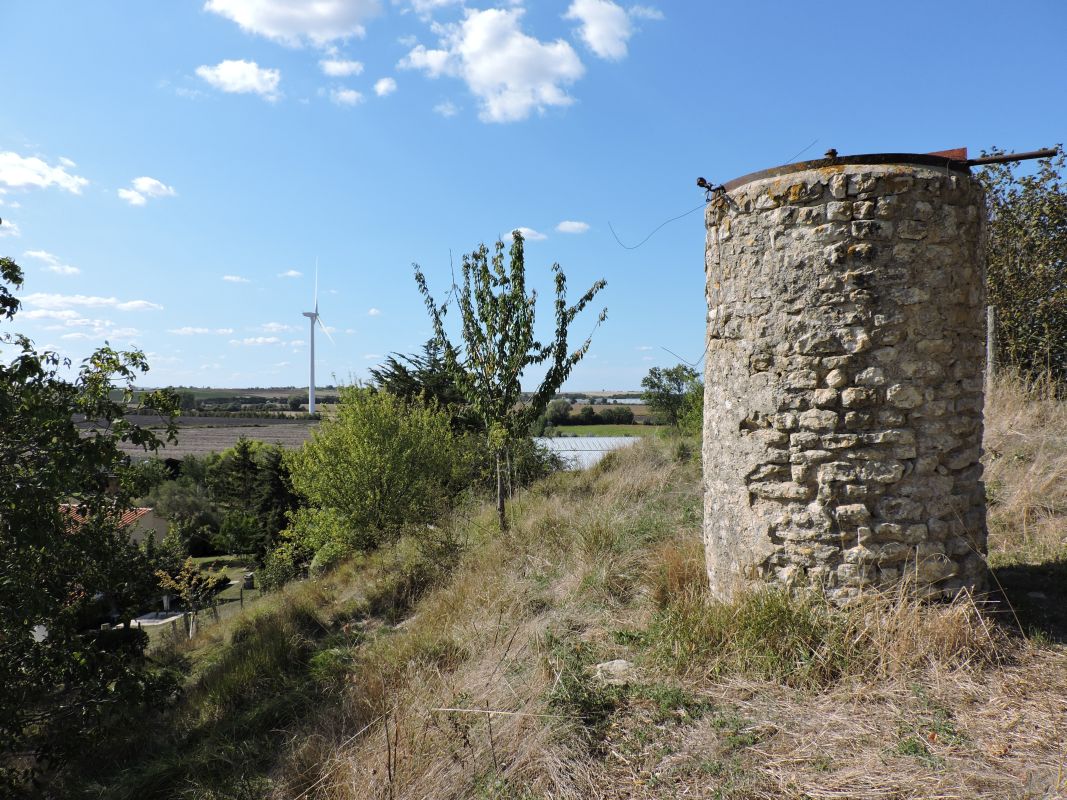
(381, 463)
(282, 565)
(327, 557)
(315, 528)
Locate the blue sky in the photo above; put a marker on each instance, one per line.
(169, 172)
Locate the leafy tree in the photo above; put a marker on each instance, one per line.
(193, 514)
(558, 411)
(497, 318)
(691, 416)
(196, 589)
(617, 415)
(239, 533)
(380, 462)
(61, 548)
(665, 390)
(1026, 269)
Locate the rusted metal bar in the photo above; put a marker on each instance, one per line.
(1007, 158)
(955, 160)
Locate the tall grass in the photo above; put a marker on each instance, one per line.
(469, 672)
(802, 639)
(1026, 471)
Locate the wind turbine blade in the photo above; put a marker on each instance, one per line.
(318, 319)
(316, 284)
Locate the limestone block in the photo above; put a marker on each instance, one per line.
(904, 396)
(818, 420)
(851, 398)
(836, 379)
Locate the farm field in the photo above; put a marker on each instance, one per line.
(607, 430)
(202, 435)
(220, 422)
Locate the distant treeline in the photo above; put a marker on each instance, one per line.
(246, 405)
(560, 413)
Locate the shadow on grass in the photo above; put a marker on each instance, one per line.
(1038, 594)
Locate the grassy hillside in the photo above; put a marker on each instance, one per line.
(464, 663)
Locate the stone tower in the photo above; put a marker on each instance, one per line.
(844, 376)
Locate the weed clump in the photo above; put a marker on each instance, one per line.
(800, 638)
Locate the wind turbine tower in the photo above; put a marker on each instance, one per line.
(313, 318)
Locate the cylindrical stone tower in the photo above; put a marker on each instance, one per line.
(844, 376)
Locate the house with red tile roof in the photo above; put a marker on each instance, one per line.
(139, 522)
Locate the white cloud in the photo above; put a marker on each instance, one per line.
(644, 347)
(572, 226)
(530, 235)
(277, 327)
(293, 21)
(235, 279)
(66, 162)
(134, 198)
(61, 301)
(9, 228)
(605, 27)
(51, 262)
(190, 331)
(384, 87)
(370, 356)
(18, 172)
(511, 73)
(138, 305)
(339, 68)
(150, 187)
(144, 188)
(290, 273)
(242, 77)
(446, 109)
(374, 312)
(49, 313)
(424, 7)
(646, 12)
(346, 97)
(254, 341)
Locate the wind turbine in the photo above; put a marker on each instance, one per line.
(313, 317)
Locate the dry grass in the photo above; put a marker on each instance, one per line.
(480, 685)
(487, 692)
(1026, 472)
